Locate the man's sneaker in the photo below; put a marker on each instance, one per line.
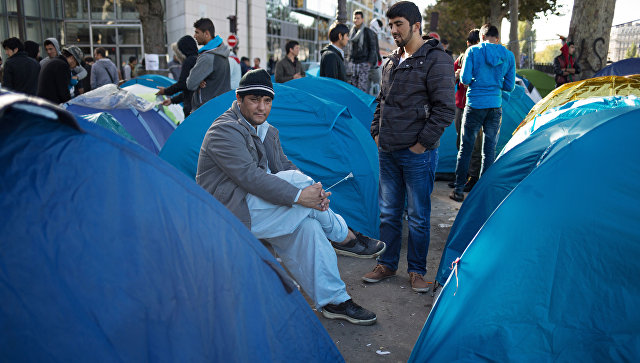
(349, 311)
(379, 273)
(458, 197)
(451, 184)
(360, 247)
(417, 282)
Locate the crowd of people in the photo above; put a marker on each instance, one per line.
(241, 161)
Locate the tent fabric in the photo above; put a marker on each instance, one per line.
(173, 112)
(320, 137)
(624, 67)
(543, 82)
(513, 166)
(361, 105)
(150, 129)
(150, 80)
(552, 273)
(515, 106)
(592, 87)
(529, 89)
(110, 254)
(109, 122)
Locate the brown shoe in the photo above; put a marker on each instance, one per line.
(417, 282)
(379, 273)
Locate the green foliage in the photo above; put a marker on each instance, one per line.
(479, 10)
(454, 29)
(546, 56)
(526, 36)
(632, 52)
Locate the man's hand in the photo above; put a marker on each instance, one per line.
(314, 197)
(297, 75)
(166, 102)
(571, 70)
(375, 138)
(458, 71)
(203, 84)
(160, 91)
(417, 148)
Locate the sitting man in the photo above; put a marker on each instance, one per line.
(242, 164)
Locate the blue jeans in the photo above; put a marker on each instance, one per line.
(487, 119)
(404, 173)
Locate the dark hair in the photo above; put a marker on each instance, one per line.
(13, 43)
(426, 37)
(257, 59)
(205, 25)
(290, 45)
(474, 36)
(489, 30)
(405, 9)
(48, 42)
(32, 48)
(444, 41)
(358, 12)
(88, 59)
(380, 23)
(242, 59)
(132, 58)
(101, 51)
(335, 31)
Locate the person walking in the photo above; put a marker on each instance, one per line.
(103, 71)
(210, 76)
(20, 71)
(332, 60)
(489, 68)
(363, 57)
(415, 104)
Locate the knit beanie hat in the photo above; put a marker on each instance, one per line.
(256, 82)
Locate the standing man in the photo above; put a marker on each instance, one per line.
(332, 61)
(241, 163)
(564, 65)
(52, 48)
(103, 70)
(129, 67)
(461, 99)
(415, 104)
(55, 75)
(364, 44)
(289, 67)
(20, 70)
(244, 65)
(256, 63)
(210, 77)
(489, 68)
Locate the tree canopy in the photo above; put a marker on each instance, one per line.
(480, 10)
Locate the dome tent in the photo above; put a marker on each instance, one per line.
(320, 137)
(551, 275)
(543, 82)
(150, 80)
(624, 67)
(169, 275)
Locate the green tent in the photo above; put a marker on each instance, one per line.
(109, 122)
(542, 81)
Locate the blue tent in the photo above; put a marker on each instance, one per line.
(624, 67)
(320, 137)
(151, 129)
(361, 105)
(110, 254)
(552, 273)
(512, 167)
(150, 80)
(515, 106)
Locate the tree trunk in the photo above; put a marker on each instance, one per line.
(589, 30)
(496, 14)
(151, 15)
(341, 12)
(514, 44)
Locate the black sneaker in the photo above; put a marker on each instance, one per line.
(360, 247)
(351, 312)
(458, 197)
(451, 184)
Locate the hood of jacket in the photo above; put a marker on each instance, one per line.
(331, 48)
(188, 46)
(216, 46)
(494, 54)
(422, 51)
(55, 43)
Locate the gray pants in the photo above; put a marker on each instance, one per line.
(476, 155)
(360, 76)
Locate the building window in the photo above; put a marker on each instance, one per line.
(75, 9)
(102, 10)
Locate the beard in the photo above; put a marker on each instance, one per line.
(402, 40)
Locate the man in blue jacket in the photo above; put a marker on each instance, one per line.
(489, 68)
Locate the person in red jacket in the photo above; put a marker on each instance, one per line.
(564, 65)
(461, 99)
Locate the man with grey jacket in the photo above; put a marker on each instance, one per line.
(210, 77)
(241, 163)
(103, 70)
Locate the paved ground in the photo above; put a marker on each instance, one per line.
(401, 312)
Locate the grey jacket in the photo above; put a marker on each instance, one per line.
(212, 67)
(416, 100)
(103, 72)
(233, 162)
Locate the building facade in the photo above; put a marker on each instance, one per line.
(623, 36)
